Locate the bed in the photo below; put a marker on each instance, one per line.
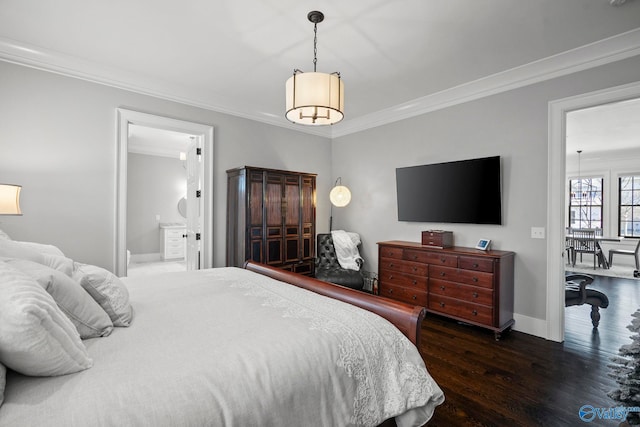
(235, 347)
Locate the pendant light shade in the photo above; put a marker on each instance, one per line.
(314, 98)
(10, 199)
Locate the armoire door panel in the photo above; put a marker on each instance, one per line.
(279, 207)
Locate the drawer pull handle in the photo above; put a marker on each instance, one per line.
(441, 304)
(475, 279)
(415, 257)
(475, 265)
(475, 295)
(442, 260)
(415, 297)
(390, 291)
(415, 282)
(474, 312)
(442, 288)
(391, 277)
(415, 269)
(442, 273)
(390, 264)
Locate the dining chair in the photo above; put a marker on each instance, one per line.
(584, 242)
(633, 253)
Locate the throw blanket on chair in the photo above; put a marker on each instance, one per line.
(346, 246)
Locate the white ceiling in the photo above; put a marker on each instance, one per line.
(398, 58)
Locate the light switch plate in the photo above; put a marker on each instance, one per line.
(537, 232)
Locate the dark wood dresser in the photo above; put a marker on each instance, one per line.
(466, 284)
(271, 218)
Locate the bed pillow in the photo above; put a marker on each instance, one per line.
(36, 338)
(3, 382)
(41, 248)
(86, 315)
(25, 250)
(108, 291)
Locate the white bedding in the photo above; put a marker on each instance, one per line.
(228, 347)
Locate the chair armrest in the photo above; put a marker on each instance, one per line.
(583, 281)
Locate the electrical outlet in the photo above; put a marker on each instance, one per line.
(537, 232)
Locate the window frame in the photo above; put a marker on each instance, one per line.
(591, 223)
(634, 206)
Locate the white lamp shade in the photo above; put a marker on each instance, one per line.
(10, 199)
(315, 98)
(340, 196)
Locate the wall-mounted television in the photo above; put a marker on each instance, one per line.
(465, 191)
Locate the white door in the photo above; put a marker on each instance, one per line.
(193, 204)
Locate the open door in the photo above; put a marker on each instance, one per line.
(194, 208)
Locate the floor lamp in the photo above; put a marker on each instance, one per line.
(340, 197)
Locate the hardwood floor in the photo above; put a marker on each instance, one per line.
(523, 380)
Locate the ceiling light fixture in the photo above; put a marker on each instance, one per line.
(314, 98)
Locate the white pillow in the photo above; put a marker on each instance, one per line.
(25, 250)
(3, 382)
(42, 248)
(4, 236)
(108, 291)
(86, 315)
(36, 338)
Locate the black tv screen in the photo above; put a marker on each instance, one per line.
(466, 191)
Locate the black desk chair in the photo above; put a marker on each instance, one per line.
(328, 268)
(576, 293)
(633, 253)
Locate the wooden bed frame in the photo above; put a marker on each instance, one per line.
(407, 318)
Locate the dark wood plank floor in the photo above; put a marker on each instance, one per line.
(524, 380)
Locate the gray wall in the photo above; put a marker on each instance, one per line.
(512, 125)
(58, 140)
(154, 186)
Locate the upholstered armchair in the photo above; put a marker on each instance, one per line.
(328, 268)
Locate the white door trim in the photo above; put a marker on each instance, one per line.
(556, 195)
(124, 119)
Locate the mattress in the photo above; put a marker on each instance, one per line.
(229, 347)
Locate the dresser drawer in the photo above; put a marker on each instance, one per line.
(411, 296)
(389, 252)
(431, 258)
(409, 267)
(476, 264)
(459, 291)
(469, 277)
(174, 234)
(462, 309)
(403, 279)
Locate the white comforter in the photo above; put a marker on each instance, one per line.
(228, 347)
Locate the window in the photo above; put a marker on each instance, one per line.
(629, 206)
(585, 203)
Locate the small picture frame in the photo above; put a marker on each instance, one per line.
(483, 244)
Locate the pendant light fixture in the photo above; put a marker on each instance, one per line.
(314, 98)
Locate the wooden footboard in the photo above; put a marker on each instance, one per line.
(407, 318)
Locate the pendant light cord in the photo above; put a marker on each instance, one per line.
(315, 45)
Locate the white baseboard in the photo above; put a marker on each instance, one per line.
(140, 258)
(530, 325)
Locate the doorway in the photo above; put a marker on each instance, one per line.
(202, 255)
(556, 194)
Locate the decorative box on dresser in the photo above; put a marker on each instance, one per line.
(271, 218)
(466, 284)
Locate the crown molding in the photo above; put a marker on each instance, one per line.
(592, 55)
(605, 51)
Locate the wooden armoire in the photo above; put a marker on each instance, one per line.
(271, 218)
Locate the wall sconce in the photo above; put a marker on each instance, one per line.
(10, 199)
(340, 197)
